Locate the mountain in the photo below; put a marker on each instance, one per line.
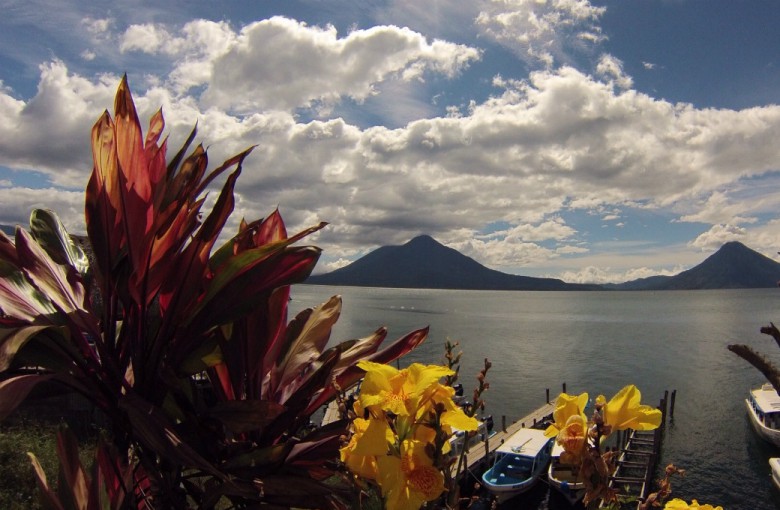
(424, 263)
(733, 266)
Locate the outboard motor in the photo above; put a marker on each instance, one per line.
(458, 390)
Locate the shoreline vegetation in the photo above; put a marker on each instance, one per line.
(203, 386)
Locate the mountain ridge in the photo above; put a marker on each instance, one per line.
(423, 262)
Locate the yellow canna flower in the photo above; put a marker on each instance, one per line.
(572, 438)
(624, 411)
(566, 406)
(360, 464)
(400, 392)
(410, 480)
(679, 504)
(383, 388)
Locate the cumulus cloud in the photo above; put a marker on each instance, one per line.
(542, 31)
(16, 204)
(281, 63)
(612, 69)
(557, 142)
(717, 235)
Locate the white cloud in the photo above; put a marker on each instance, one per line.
(717, 235)
(280, 63)
(612, 69)
(542, 31)
(17, 203)
(558, 141)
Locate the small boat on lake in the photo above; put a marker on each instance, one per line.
(763, 405)
(518, 464)
(774, 464)
(484, 430)
(564, 477)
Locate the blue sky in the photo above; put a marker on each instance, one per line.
(592, 141)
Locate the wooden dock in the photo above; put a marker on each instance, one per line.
(638, 459)
(481, 452)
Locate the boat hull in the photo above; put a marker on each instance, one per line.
(563, 480)
(774, 464)
(769, 434)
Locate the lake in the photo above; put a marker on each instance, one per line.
(598, 342)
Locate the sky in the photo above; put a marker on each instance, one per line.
(593, 141)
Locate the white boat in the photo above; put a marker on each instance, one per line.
(774, 464)
(518, 464)
(484, 430)
(564, 477)
(763, 406)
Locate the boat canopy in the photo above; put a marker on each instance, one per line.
(767, 399)
(527, 442)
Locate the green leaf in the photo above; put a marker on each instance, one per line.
(11, 340)
(47, 497)
(13, 391)
(307, 346)
(158, 434)
(245, 415)
(50, 233)
(73, 485)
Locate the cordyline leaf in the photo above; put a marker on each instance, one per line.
(241, 416)
(352, 374)
(47, 497)
(11, 340)
(352, 351)
(313, 334)
(73, 486)
(117, 476)
(228, 301)
(61, 284)
(259, 458)
(297, 395)
(129, 143)
(14, 390)
(50, 233)
(21, 300)
(312, 456)
(156, 432)
(207, 355)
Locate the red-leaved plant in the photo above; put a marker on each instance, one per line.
(130, 327)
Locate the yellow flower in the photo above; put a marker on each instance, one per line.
(411, 480)
(572, 438)
(566, 406)
(400, 392)
(359, 462)
(624, 411)
(679, 504)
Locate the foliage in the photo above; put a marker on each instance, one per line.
(403, 421)
(135, 327)
(582, 440)
(17, 487)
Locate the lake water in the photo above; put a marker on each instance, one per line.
(598, 342)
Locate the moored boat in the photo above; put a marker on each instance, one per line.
(484, 430)
(564, 477)
(774, 465)
(518, 464)
(763, 405)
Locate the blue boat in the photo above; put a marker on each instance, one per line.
(518, 464)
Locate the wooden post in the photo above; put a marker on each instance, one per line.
(671, 404)
(547, 392)
(503, 423)
(564, 387)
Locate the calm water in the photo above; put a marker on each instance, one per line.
(598, 342)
